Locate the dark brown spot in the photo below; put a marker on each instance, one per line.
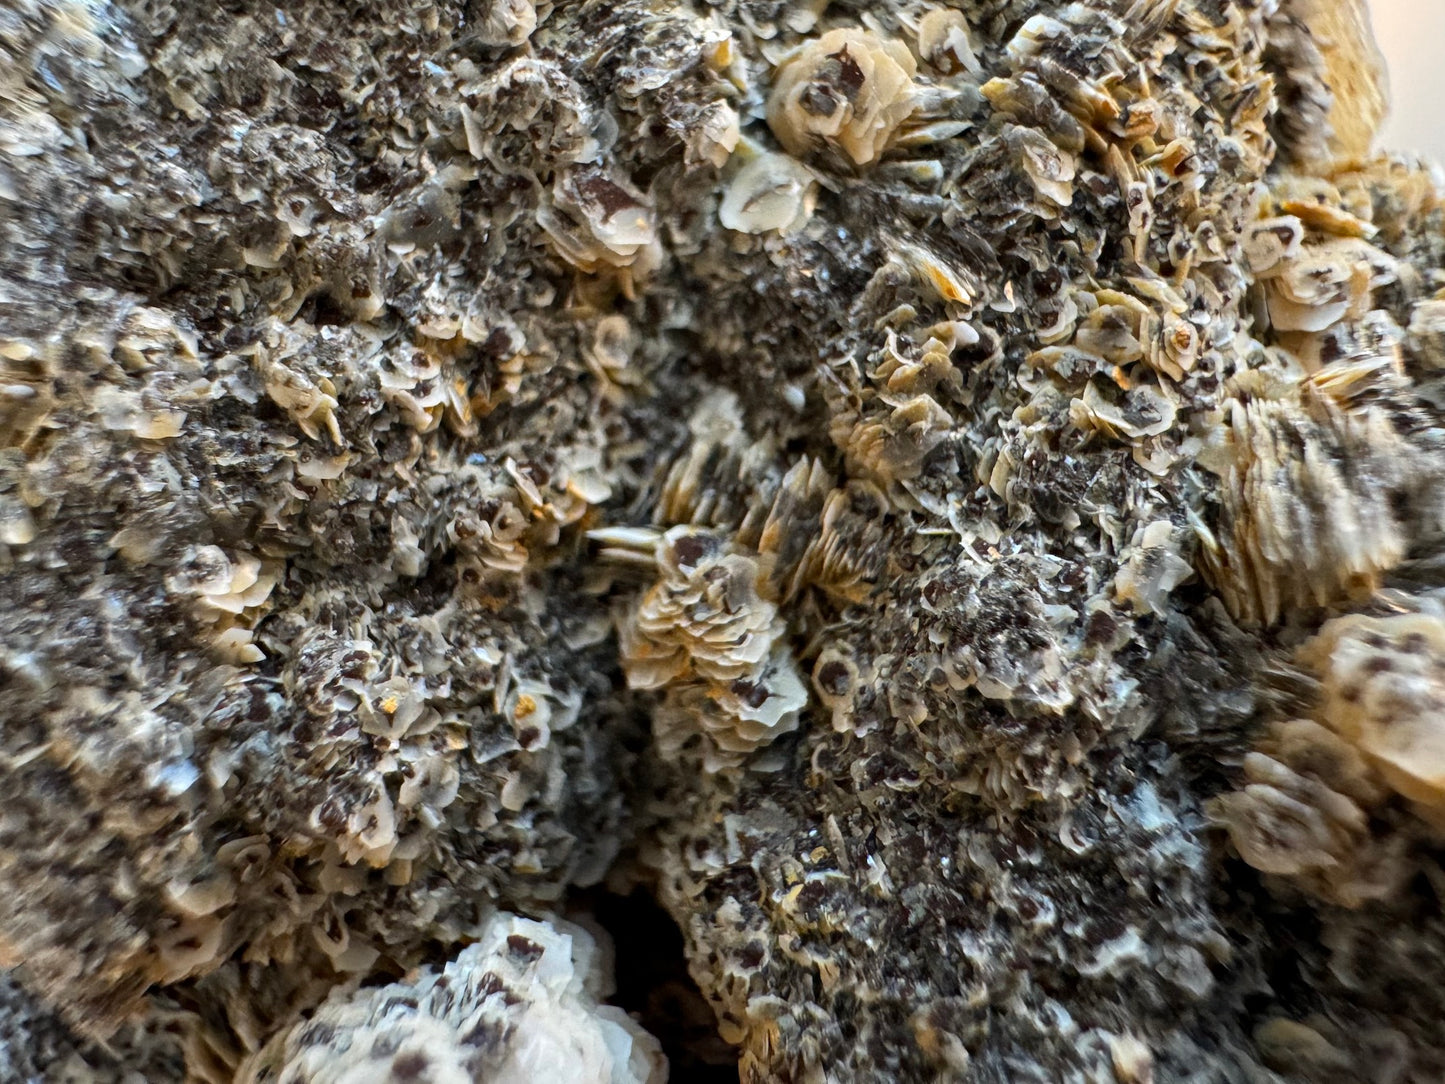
(497, 346)
(490, 984)
(411, 1066)
(812, 895)
(524, 947)
(331, 815)
(690, 549)
(849, 74)
(1101, 629)
(485, 1036)
(610, 197)
(753, 694)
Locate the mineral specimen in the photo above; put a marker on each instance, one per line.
(517, 1006)
(947, 497)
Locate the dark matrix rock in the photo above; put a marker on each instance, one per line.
(948, 499)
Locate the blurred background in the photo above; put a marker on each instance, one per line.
(1412, 37)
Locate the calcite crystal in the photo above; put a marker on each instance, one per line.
(947, 497)
(519, 1005)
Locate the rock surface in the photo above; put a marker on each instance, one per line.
(948, 497)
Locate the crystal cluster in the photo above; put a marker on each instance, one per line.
(947, 497)
(516, 1007)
